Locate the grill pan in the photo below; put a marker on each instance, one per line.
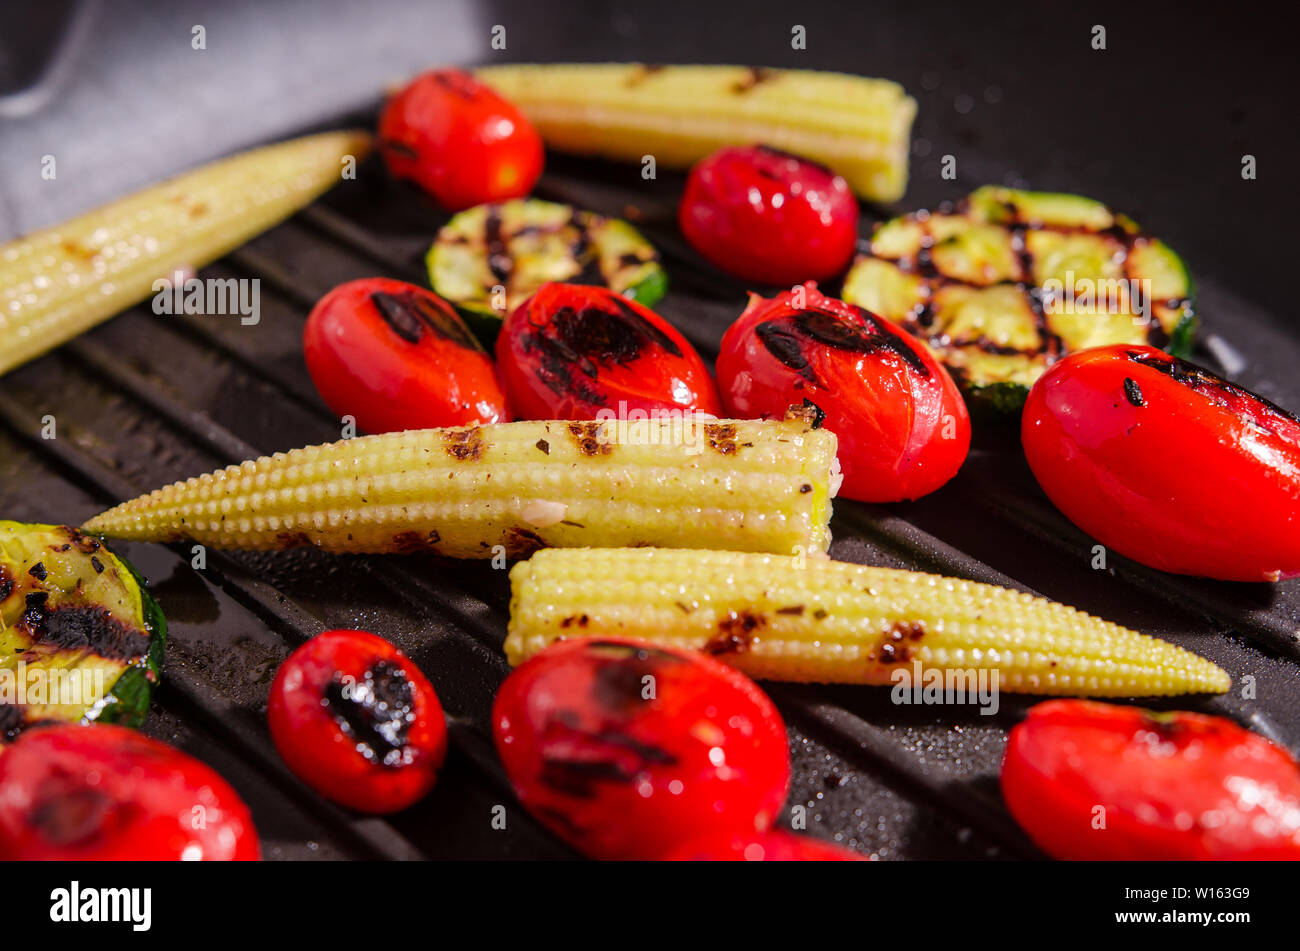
(144, 400)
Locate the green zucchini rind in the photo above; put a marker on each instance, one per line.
(522, 244)
(67, 603)
(1010, 281)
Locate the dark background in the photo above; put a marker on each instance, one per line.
(1155, 124)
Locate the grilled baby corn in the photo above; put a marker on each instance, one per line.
(679, 114)
(60, 282)
(817, 620)
(747, 484)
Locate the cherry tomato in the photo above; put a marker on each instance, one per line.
(902, 425)
(395, 356)
(769, 216)
(625, 750)
(357, 721)
(459, 141)
(574, 352)
(767, 847)
(1093, 780)
(1168, 464)
(105, 793)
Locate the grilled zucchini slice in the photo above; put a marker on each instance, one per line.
(521, 245)
(80, 638)
(1010, 281)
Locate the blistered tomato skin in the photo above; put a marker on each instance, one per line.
(394, 356)
(1173, 786)
(767, 847)
(1167, 464)
(770, 217)
(459, 141)
(626, 751)
(902, 424)
(577, 352)
(358, 722)
(106, 793)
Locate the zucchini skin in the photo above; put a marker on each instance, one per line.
(127, 704)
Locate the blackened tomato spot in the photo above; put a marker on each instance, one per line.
(69, 812)
(377, 711)
(410, 315)
(1133, 392)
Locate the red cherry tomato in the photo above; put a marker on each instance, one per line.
(1168, 464)
(1093, 780)
(768, 847)
(105, 793)
(574, 352)
(395, 356)
(902, 424)
(459, 141)
(625, 750)
(769, 216)
(357, 721)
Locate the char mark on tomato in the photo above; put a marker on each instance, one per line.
(581, 340)
(1257, 410)
(377, 711)
(787, 340)
(410, 316)
(575, 762)
(88, 628)
(1133, 392)
(619, 686)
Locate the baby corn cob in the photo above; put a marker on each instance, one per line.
(817, 620)
(60, 282)
(748, 484)
(679, 114)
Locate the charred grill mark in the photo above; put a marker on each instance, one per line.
(722, 437)
(1209, 384)
(410, 315)
(520, 543)
(575, 761)
(792, 610)
(94, 563)
(753, 76)
(400, 149)
(787, 348)
(898, 644)
(6, 583)
(544, 446)
(85, 628)
(618, 686)
(645, 328)
(581, 620)
(590, 438)
(499, 260)
(736, 633)
(806, 412)
(639, 75)
(467, 445)
(377, 711)
(287, 540)
(414, 543)
(38, 571)
(1133, 392)
(86, 544)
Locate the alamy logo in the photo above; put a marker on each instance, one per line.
(230, 297)
(72, 904)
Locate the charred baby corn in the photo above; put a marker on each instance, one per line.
(816, 620)
(747, 484)
(60, 282)
(859, 127)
